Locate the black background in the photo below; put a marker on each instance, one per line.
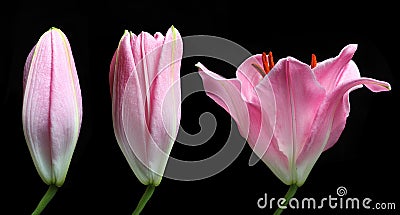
(99, 180)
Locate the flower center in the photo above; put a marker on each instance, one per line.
(268, 63)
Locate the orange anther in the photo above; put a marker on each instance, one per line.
(270, 60)
(265, 62)
(313, 61)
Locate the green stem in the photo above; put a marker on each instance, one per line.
(45, 199)
(290, 193)
(145, 198)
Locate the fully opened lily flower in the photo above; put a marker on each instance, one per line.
(146, 98)
(311, 106)
(52, 109)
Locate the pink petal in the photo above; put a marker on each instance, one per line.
(263, 118)
(121, 68)
(66, 106)
(226, 93)
(122, 65)
(298, 96)
(278, 162)
(332, 72)
(27, 67)
(136, 130)
(249, 78)
(36, 104)
(323, 125)
(343, 109)
(165, 95)
(146, 53)
(112, 72)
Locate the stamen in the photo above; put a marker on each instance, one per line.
(270, 60)
(265, 62)
(259, 69)
(313, 61)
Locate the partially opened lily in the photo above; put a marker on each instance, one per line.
(310, 104)
(146, 99)
(52, 109)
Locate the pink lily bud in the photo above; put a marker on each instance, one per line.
(146, 100)
(52, 106)
(296, 110)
